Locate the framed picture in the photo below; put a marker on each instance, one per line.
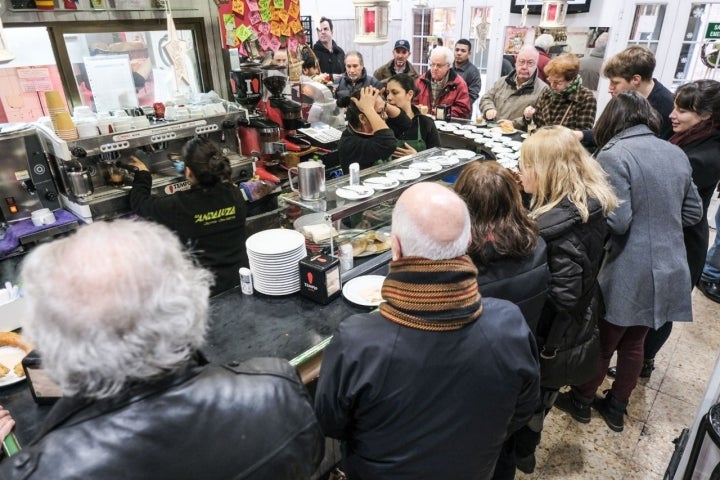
(535, 6)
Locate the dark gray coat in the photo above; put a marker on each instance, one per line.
(645, 279)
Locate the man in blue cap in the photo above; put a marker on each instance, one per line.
(399, 63)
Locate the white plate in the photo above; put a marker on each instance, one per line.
(354, 192)
(461, 153)
(307, 220)
(364, 290)
(498, 129)
(444, 160)
(9, 357)
(381, 183)
(502, 150)
(403, 174)
(275, 241)
(446, 128)
(425, 167)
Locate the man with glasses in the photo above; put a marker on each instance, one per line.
(441, 85)
(465, 68)
(330, 57)
(510, 95)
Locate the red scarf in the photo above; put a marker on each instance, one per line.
(696, 132)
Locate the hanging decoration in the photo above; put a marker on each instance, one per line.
(553, 13)
(524, 14)
(175, 49)
(258, 26)
(371, 21)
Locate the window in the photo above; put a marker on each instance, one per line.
(699, 54)
(646, 26)
(431, 27)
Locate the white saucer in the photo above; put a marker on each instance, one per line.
(403, 174)
(464, 154)
(381, 183)
(425, 167)
(364, 290)
(355, 192)
(498, 129)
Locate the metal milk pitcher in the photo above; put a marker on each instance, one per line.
(310, 179)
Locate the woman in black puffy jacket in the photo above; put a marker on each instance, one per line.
(570, 199)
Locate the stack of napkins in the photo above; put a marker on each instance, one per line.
(9, 293)
(12, 308)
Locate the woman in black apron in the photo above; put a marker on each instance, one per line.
(422, 133)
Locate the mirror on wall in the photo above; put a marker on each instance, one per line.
(588, 43)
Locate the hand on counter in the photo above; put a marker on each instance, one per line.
(528, 112)
(6, 423)
(136, 162)
(404, 150)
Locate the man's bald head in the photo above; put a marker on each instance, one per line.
(430, 221)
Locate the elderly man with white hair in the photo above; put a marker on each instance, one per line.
(118, 312)
(441, 85)
(511, 94)
(429, 386)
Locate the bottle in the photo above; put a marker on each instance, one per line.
(346, 257)
(354, 174)
(531, 127)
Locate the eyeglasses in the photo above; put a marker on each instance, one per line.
(439, 65)
(529, 63)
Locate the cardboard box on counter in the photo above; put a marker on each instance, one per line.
(320, 278)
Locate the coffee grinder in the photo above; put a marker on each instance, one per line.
(281, 109)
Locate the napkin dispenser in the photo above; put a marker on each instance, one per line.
(44, 390)
(320, 278)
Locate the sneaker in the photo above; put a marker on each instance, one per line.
(568, 403)
(526, 464)
(612, 410)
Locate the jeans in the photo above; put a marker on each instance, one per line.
(711, 272)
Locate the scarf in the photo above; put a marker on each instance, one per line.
(696, 132)
(573, 87)
(436, 88)
(431, 295)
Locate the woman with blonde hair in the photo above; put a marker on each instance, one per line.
(570, 200)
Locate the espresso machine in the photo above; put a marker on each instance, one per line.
(26, 182)
(93, 176)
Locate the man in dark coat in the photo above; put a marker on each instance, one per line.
(139, 401)
(330, 56)
(355, 76)
(466, 69)
(429, 386)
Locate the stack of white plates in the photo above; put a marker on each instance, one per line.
(274, 255)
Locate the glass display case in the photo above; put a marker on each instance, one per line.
(361, 215)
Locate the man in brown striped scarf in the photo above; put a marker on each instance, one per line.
(429, 385)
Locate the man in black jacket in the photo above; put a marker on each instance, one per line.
(330, 56)
(119, 311)
(429, 386)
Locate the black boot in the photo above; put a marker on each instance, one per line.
(578, 408)
(648, 367)
(612, 410)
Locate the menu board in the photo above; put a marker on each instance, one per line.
(263, 25)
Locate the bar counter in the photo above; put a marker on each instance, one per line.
(240, 327)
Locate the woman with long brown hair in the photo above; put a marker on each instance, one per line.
(511, 260)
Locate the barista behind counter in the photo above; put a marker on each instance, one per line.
(367, 139)
(209, 218)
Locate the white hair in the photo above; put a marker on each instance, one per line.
(527, 49)
(415, 242)
(115, 303)
(545, 41)
(443, 52)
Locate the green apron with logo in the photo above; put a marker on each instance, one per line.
(418, 144)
